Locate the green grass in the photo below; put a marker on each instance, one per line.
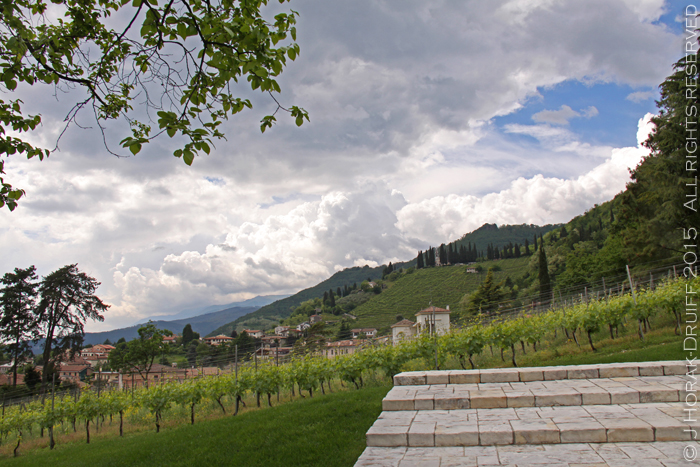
(322, 431)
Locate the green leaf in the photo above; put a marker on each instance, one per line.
(135, 148)
(188, 156)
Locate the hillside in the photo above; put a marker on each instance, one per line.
(503, 235)
(270, 315)
(443, 286)
(202, 324)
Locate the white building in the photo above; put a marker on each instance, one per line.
(429, 320)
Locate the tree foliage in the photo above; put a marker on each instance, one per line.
(180, 60)
(656, 203)
(139, 354)
(68, 300)
(18, 323)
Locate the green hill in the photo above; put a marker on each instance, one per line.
(443, 286)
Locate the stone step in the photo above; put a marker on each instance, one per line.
(657, 454)
(661, 421)
(550, 373)
(539, 393)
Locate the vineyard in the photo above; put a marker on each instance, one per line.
(581, 322)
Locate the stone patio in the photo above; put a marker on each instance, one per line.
(594, 415)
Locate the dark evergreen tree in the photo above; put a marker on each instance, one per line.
(562, 232)
(527, 248)
(420, 264)
(534, 243)
(187, 335)
(442, 252)
(543, 276)
(18, 322)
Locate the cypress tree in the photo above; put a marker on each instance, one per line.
(543, 276)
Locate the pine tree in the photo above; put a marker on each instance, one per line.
(18, 323)
(419, 260)
(527, 248)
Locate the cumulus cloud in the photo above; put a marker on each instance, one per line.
(640, 96)
(563, 115)
(536, 200)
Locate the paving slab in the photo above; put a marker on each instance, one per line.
(663, 454)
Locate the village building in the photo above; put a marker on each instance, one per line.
(218, 340)
(368, 332)
(273, 341)
(403, 330)
(255, 333)
(171, 339)
(429, 320)
(74, 373)
(433, 320)
(313, 319)
(282, 331)
(345, 347)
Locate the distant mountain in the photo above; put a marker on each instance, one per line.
(257, 302)
(202, 324)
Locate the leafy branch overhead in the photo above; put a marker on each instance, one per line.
(175, 59)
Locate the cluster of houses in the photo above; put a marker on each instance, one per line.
(90, 361)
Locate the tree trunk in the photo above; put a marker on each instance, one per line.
(238, 400)
(192, 413)
(52, 442)
(269, 399)
(121, 423)
(471, 362)
(19, 440)
(87, 430)
(224, 408)
(522, 344)
(502, 357)
(590, 341)
(611, 331)
(641, 332)
(575, 338)
(157, 422)
(512, 349)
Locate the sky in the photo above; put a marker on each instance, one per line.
(427, 120)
